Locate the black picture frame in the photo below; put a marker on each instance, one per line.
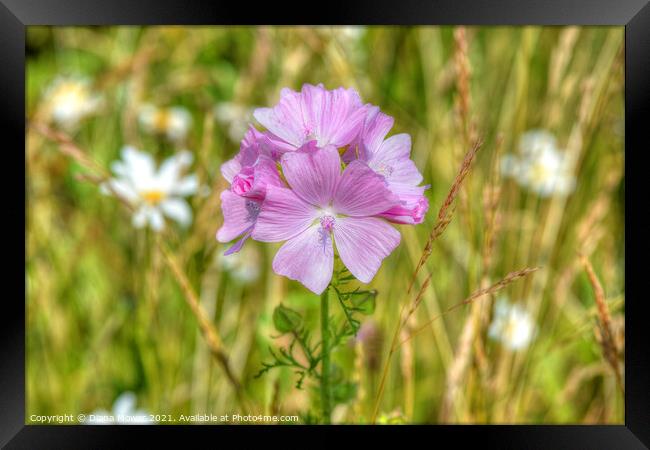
(15, 15)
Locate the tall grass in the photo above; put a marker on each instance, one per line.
(113, 309)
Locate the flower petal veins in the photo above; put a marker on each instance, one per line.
(307, 194)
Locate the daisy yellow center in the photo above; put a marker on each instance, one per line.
(540, 173)
(153, 197)
(161, 121)
(510, 329)
(72, 94)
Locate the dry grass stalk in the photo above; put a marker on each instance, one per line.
(416, 302)
(470, 333)
(607, 342)
(561, 57)
(491, 200)
(204, 228)
(496, 287)
(206, 326)
(407, 361)
(463, 73)
(396, 343)
(359, 357)
(445, 214)
(458, 367)
(69, 148)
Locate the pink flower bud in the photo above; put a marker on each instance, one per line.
(243, 182)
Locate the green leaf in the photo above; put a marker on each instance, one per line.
(286, 319)
(344, 392)
(364, 301)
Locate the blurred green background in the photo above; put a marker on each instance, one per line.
(105, 316)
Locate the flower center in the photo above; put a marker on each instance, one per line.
(327, 219)
(540, 173)
(161, 121)
(327, 222)
(72, 95)
(383, 169)
(153, 197)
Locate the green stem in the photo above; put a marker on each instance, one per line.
(325, 352)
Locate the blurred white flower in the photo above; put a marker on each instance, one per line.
(236, 117)
(540, 167)
(123, 413)
(243, 266)
(353, 33)
(68, 100)
(349, 39)
(153, 193)
(512, 325)
(346, 35)
(173, 122)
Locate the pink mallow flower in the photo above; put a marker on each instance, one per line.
(249, 173)
(390, 158)
(314, 114)
(324, 206)
(241, 203)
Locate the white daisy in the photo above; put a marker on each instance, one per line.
(173, 122)
(236, 117)
(153, 193)
(123, 412)
(512, 325)
(540, 167)
(68, 100)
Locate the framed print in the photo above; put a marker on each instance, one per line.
(378, 218)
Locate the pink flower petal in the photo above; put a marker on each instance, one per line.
(409, 212)
(412, 207)
(376, 128)
(405, 172)
(395, 148)
(252, 181)
(392, 160)
(273, 147)
(341, 117)
(239, 214)
(234, 248)
(329, 117)
(407, 192)
(230, 168)
(285, 119)
(283, 216)
(361, 192)
(308, 258)
(362, 243)
(313, 175)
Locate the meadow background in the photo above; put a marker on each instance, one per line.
(106, 315)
